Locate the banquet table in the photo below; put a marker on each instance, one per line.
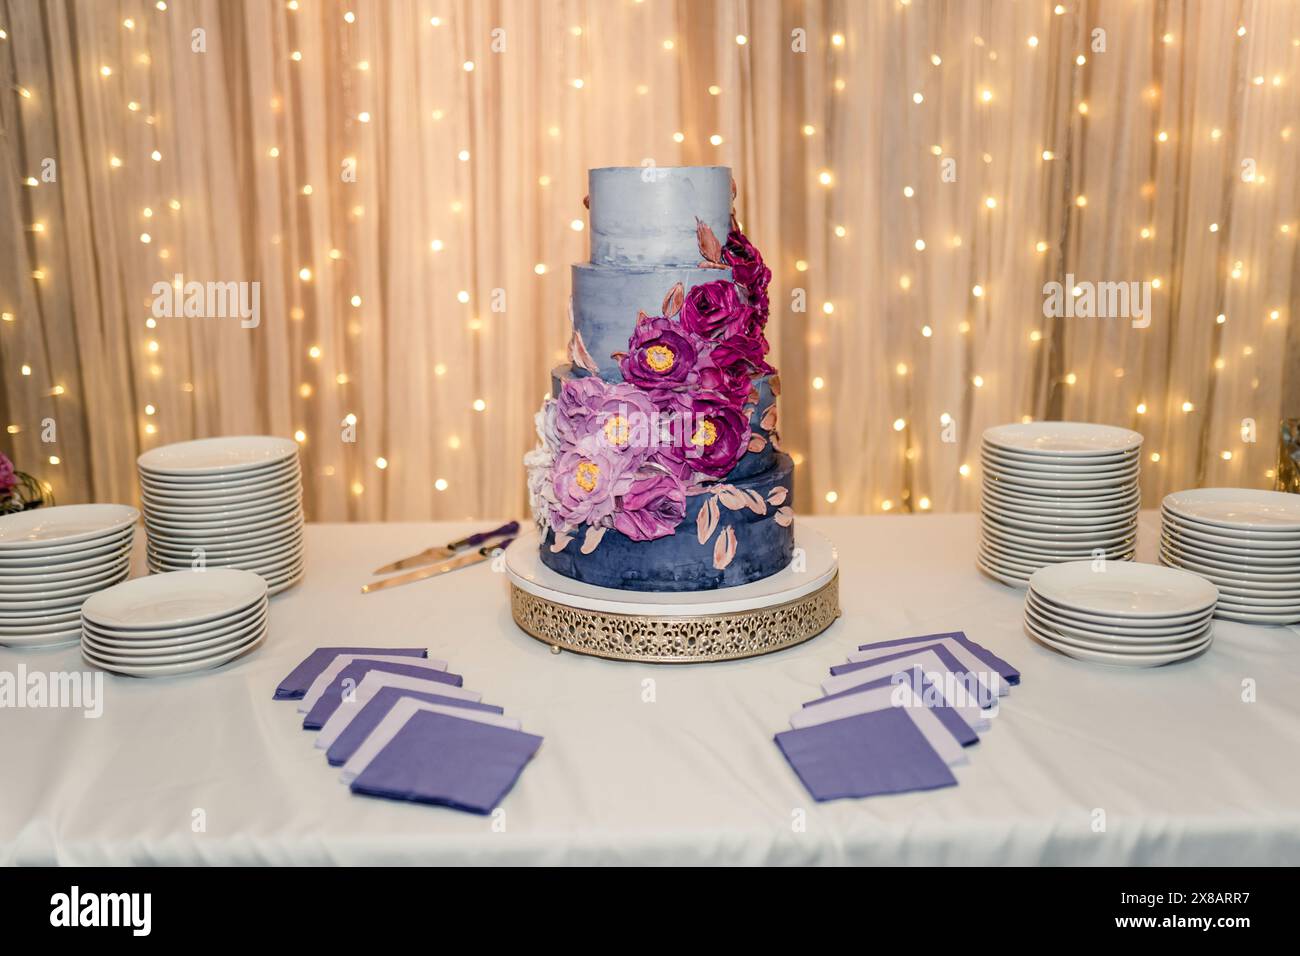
(1193, 763)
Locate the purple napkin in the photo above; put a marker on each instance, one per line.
(860, 756)
(354, 672)
(947, 715)
(455, 763)
(984, 696)
(300, 678)
(374, 710)
(1008, 673)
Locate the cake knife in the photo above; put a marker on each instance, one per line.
(462, 560)
(432, 555)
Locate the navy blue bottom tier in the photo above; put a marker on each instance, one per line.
(740, 546)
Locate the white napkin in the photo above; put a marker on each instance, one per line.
(373, 683)
(936, 734)
(991, 678)
(930, 665)
(396, 719)
(968, 711)
(326, 677)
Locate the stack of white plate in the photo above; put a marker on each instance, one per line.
(1055, 492)
(225, 503)
(1245, 541)
(175, 623)
(1136, 615)
(51, 560)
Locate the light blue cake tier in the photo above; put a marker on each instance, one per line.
(679, 562)
(752, 462)
(645, 216)
(606, 301)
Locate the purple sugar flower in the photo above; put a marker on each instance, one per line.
(714, 310)
(7, 477)
(652, 508)
(618, 417)
(659, 355)
(586, 485)
(747, 266)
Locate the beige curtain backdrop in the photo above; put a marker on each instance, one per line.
(403, 180)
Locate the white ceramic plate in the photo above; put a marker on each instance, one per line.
(1285, 543)
(1058, 521)
(1125, 497)
(1227, 552)
(61, 601)
(1017, 470)
(176, 645)
(1138, 626)
(62, 525)
(1246, 509)
(1050, 531)
(1102, 642)
(1016, 486)
(1125, 589)
(57, 573)
(1107, 657)
(1247, 617)
(176, 599)
(175, 655)
(280, 481)
(46, 639)
(1015, 567)
(1078, 548)
(1284, 580)
(1094, 629)
(173, 670)
(68, 557)
(1002, 575)
(1063, 439)
(218, 456)
(201, 510)
(1036, 460)
(86, 584)
(178, 633)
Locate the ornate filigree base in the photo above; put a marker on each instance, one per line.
(677, 639)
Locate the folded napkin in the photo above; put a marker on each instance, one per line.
(969, 663)
(961, 722)
(900, 697)
(352, 675)
(373, 683)
(455, 763)
(396, 719)
(326, 677)
(959, 684)
(300, 678)
(354, 734)
(1009, 673)
(863, 755)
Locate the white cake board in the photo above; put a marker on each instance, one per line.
(781, 610)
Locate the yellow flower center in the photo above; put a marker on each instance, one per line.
(618, 431)
(706, 434)
(588, 472)
(660, 357)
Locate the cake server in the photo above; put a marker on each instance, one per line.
(462, 560)
(433, 555)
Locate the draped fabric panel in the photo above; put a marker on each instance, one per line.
(401, 183)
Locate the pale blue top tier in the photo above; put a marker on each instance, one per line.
(645, 216)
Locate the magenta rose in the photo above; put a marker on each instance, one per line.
(710, 439)
(592, 413)
(741, 357)
(719, 372)
(8, 480)
(658, 355)
(587, 484)
(714, 310)
(652, 508)
(747, 266)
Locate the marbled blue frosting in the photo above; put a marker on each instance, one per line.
(680, 562)
(645, 216)
(606, 300)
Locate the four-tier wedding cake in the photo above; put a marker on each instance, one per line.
(658, 466)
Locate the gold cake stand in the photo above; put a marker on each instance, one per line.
(780, 611)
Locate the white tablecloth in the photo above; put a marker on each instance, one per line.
(646, 764)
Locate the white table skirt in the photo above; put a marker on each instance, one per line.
(662, 764)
